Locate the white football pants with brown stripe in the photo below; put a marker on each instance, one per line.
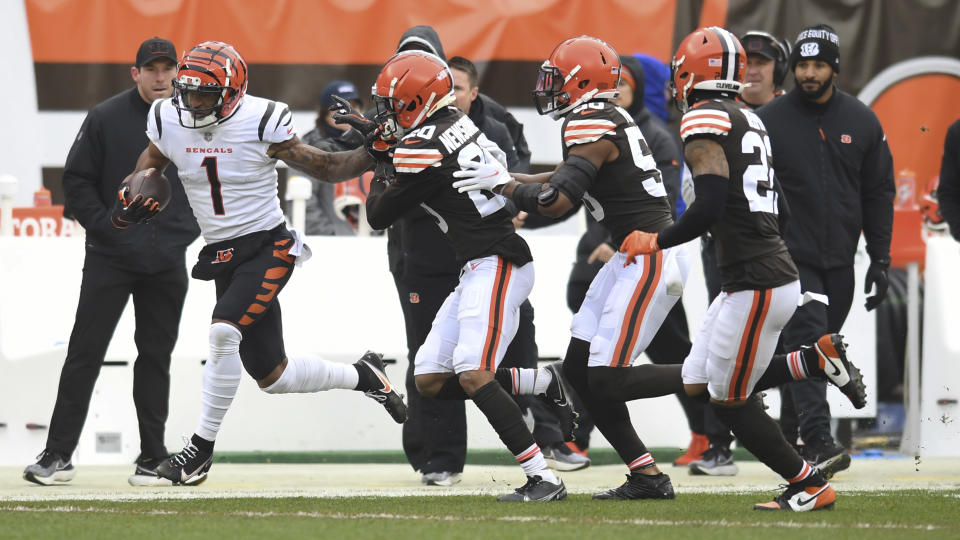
(737, 340)
(625, 305)
(478, 319)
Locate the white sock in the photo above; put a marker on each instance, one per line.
(533, 464)
(523, 381)
(543, 380)
(221, 377)
(307, 375)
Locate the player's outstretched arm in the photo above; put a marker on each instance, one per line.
(332, 167)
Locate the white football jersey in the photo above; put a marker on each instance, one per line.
(230, 181)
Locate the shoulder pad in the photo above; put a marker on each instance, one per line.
(708, 118)
(414, 154)
(586, 124)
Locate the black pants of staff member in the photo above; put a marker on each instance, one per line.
(804, 406)
(158, 303)
(435, 433)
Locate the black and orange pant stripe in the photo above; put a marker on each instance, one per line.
(636, 309)
(749, 341)
(248, 298)
(498, 300)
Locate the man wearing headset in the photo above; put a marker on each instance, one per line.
(766, 67)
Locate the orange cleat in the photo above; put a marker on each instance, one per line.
(698, 445)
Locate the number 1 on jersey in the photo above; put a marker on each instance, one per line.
(210, 164)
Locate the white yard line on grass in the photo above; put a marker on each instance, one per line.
(415, 517)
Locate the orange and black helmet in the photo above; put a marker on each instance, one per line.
(212, 68)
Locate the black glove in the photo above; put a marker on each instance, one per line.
(377, 146)
(876, 276)
(343, 114)
(139, 210)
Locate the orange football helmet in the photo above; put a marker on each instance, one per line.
(211, 81)
(578, 70)
(411, 86)
(709, 59)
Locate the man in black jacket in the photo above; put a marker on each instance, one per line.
(145, 262)
(832, 159)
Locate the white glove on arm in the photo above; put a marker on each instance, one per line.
(476, 176)
(493, 149)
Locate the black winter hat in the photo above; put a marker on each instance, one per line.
(818, 42)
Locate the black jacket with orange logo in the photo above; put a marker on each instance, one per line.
(836, 171)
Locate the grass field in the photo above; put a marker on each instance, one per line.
(925, 514)
(877, 499)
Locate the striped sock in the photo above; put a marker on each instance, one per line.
(533, 464)
(805, 471)
(643, 462)
(798, 369)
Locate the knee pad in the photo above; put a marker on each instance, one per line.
(224, 341)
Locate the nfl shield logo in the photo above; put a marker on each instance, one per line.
(208, 136)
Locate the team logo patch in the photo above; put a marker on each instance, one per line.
(809, 49)
(414, 298)
(846, 139)
(223, 255)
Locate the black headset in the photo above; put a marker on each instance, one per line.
(782, 49)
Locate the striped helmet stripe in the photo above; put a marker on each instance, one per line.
(731, 57)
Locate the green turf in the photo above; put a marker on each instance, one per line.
(893, 515)
(599, 456)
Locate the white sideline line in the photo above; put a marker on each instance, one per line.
(415, 517)
(181, 493)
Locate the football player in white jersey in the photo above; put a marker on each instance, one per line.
(225, 145)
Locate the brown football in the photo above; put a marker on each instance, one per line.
(151, 184)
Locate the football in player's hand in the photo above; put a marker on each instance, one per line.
(151, 184)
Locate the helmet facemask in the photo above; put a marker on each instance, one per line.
(386, 115)
(188, 90)
(549, 96)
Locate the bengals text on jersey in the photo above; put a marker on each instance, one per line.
(229, 179)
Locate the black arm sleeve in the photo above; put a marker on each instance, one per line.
(574, 176)
(386, 204)
(948, 192)
(707, 208)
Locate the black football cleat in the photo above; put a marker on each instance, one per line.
(640, 486)
(189, 467)
(536, 490)
(840, 371)
(557, 397)
(371, 368)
